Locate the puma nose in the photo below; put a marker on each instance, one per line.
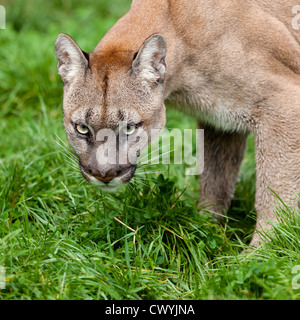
(107, 177)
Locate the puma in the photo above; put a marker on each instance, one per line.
(234, 65)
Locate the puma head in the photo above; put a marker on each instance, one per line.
(113, 105)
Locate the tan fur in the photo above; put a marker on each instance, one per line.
(233, 64)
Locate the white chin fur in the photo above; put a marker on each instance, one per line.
(112, 186)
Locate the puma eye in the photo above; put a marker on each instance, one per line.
(82, 129)
(129, 129)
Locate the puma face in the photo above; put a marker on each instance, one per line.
(113, 106)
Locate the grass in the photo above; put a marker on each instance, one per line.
(64, 239)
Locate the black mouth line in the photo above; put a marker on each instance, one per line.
(126, 176)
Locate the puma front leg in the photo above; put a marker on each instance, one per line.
(223, 154)
(277, 145)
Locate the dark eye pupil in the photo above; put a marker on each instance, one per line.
(129, 129)
(82, 129)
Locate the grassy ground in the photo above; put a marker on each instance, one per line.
(64, 239)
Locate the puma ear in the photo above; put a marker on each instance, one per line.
(150, 63)
(72, 62)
